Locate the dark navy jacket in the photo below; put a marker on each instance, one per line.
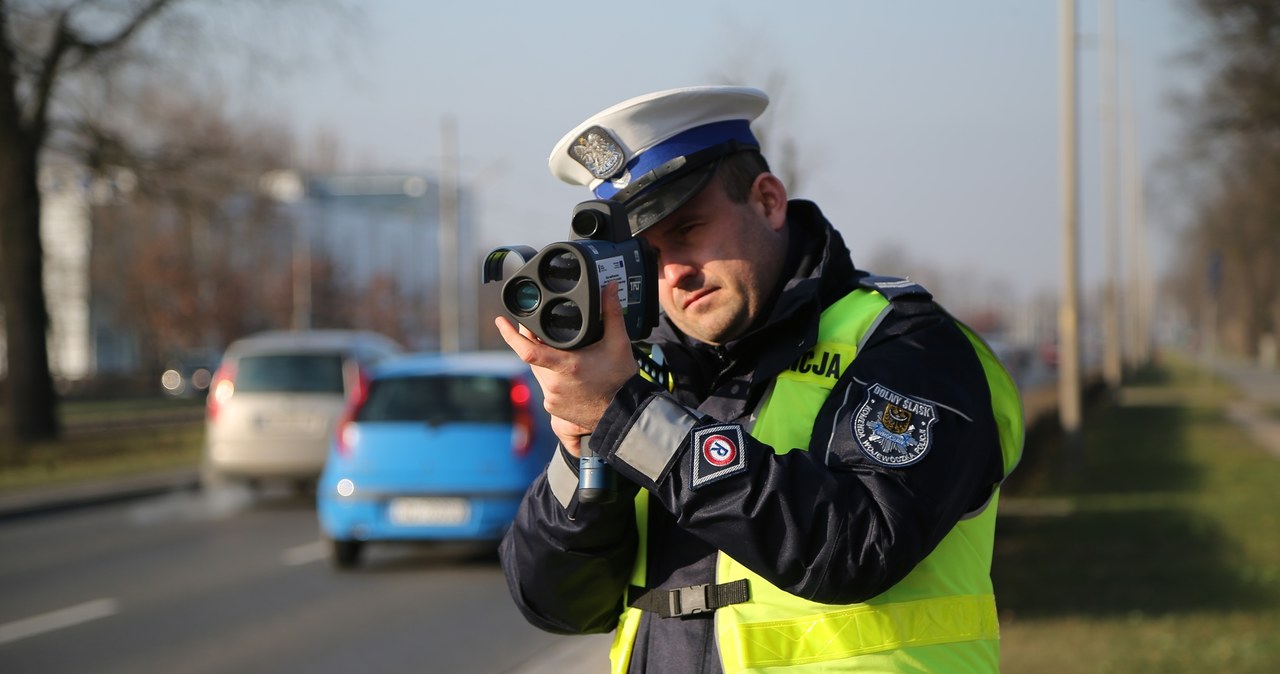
(833, 532)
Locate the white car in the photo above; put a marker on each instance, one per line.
(276, 398)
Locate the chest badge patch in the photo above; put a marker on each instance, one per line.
(717, 454)
(893, 429)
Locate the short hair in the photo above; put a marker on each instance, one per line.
(737, 173)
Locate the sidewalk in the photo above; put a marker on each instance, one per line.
(1252, 381)
(1255, 411)
(96, 492)
(1260, 389)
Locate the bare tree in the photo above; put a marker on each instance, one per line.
(178, 254)
(1231, 251)
(29, 75)
(60, 61)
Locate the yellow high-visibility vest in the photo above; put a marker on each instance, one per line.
(940, 618)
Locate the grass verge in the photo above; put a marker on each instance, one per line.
(1152, 549)
(110, 439)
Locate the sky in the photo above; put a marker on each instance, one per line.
(927, 129)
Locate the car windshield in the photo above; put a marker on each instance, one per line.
(438, 399)
(291, 373)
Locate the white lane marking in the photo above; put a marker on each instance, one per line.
(305, 553)
(56, 620)
(208, 504)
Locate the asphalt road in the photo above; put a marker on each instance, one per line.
(224, 582)
(194, 583)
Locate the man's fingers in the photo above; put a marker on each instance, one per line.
(527, 346)
(615, 327)
(522, 345)
(609, 295)
(571, 435)
(611, 306)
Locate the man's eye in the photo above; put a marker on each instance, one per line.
(686, 231)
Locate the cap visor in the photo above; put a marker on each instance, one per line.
(658, 202)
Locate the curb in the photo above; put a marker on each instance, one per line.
(97, 492)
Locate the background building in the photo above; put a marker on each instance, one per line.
(363, 251)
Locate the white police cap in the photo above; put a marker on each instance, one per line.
(645, 151)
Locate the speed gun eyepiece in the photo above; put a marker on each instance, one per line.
(556, 292)
(589, 223)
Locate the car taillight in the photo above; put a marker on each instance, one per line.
(344, 433)
(521, 418)
(362, 385)
(221, 389)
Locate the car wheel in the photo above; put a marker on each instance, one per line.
(345, 554)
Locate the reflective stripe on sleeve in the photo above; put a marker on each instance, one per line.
(561, 478)
(656, 438)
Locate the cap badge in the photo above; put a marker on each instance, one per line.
(598, 152)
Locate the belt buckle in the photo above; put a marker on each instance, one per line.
(690, 600)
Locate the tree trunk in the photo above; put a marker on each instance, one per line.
(30, 400)
(29, 396)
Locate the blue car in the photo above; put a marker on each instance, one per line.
(437, 447)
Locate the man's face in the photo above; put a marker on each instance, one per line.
(718, 260)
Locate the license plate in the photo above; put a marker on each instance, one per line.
(437, 511)
(292, 423)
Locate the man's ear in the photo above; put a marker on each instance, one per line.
(771, 196)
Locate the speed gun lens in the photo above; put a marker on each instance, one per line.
(562, 321)
(525, 297)
(561, 272)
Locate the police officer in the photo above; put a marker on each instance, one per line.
(815, 487)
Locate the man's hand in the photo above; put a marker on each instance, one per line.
(577, 385)
(570, 434)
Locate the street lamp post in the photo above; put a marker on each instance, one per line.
(449, 250)
(1069, 311)
(1111, 350)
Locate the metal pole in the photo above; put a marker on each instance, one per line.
(448, 253)
(468, 287)
(1069, 311)
(302, 269)
(1112, 369)
(1147, 289)
(1137, 328)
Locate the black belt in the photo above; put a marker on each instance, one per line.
(692, 600)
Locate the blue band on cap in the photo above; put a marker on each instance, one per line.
(680, 145)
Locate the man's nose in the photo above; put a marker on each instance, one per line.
(678, 273)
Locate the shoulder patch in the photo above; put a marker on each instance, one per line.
(717, 454)
(893, 287)
(892, 429)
